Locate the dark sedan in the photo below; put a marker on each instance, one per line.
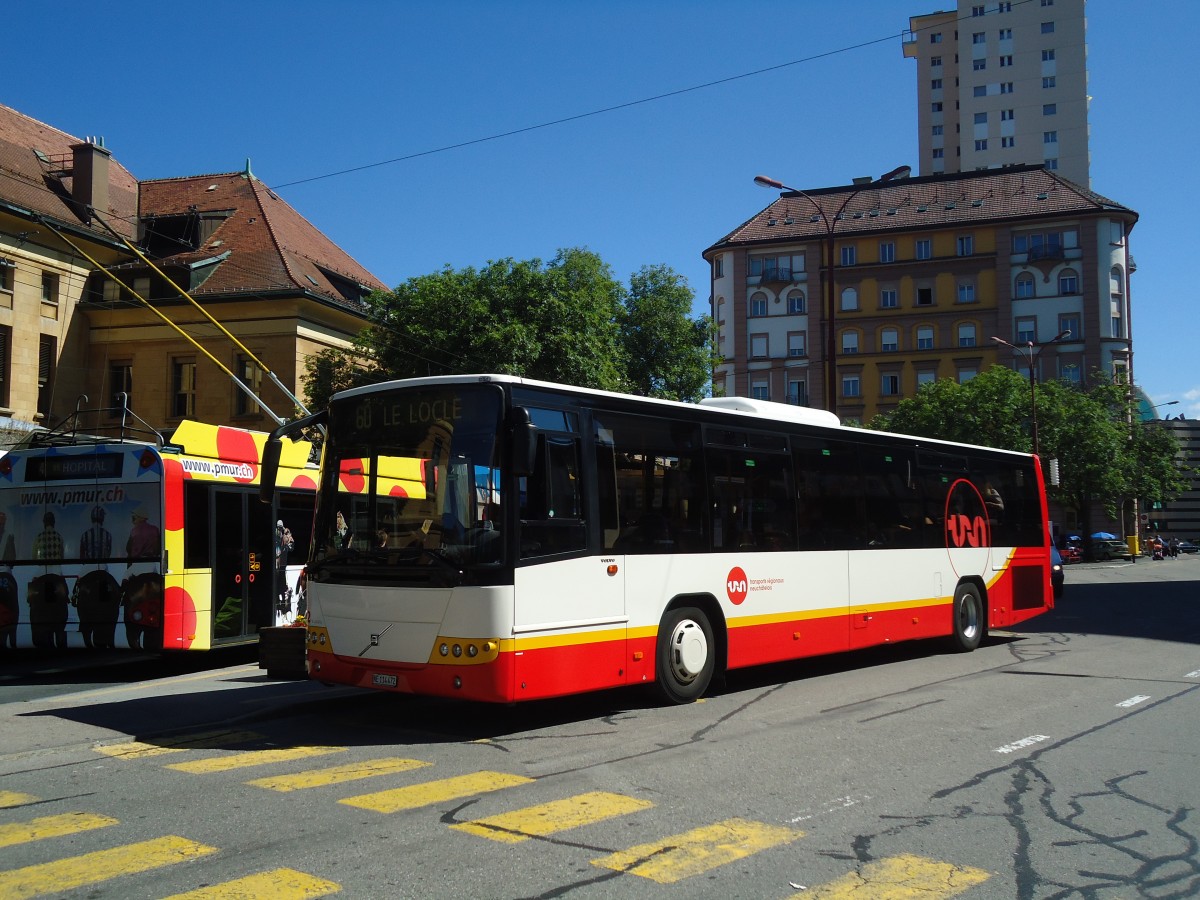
(1056, 572)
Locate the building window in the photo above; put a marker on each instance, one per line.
(935, 84)
(980, 90)
(889, 384)
(924, 378)
(888, 299)
(1027, 331)
(938, 153)
(47, 366)
(1068, 282)
(1004, 7)
(1116, 281)
(924, 296)
(797, 393)
(849, 255)
(977, 10)
(760, 390)
(1051, 163)
(1049, 109)
(851, 386)
(849, 342)
(925, 337)
(966, 245)
(966, 335)
(797, 344)
(981, 145)
(849, 299)
(1047, 28)
(887, 251)
(796, 304)
(1070, 374)
(935, 60)
(966, 292)
(1049, 81)
(936, 130)
(1006, 34)
(1025, 286)
(6, 276)
(5, 375)
(979, 37)
(719, 267)
(935, 107)
(980, 118)
(758, 346)
(1008, 142)
(1007, 115)
(251, 376)
(1116, 327)
(966, 374)
(1006, 87)
(979, 65)
(1047, 55)
(758, 304)
(889, 340)
(120, 381)
(935, 37)
(183, 388)
(49, 287)
(1006, 61)
(1070, 322)
(1116, 233)
(923, 249)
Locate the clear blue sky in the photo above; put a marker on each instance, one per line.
(305, 89)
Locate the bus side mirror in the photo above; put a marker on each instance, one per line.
(270, 469)
(524, 441)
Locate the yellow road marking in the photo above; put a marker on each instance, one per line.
(684, 855)
(338, 774)
(901, 877)
(139, 749)
(278, 884)
(418, 795)
(51, 826)
(549, 818)
(248, 758)
(91, 868)
(15, 798)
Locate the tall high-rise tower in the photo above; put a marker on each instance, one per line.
(1000, 84)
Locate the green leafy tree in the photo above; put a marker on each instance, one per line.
(669, 354)
(568, 320)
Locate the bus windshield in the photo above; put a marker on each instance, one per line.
(411, 477)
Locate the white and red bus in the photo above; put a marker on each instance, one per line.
(151, 544)
(501, 539)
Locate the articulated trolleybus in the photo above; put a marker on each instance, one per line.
(500, 539)
(110, 541)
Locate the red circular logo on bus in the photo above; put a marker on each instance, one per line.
(736, 585)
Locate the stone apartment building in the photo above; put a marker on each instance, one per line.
(849, 298)
(266, 274)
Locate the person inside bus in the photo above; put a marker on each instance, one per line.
(342, 536)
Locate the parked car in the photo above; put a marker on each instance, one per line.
(1072, 554)
(1056, 572)
(1103, 550)
(1188, 547)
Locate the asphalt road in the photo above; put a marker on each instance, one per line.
(1058, 760)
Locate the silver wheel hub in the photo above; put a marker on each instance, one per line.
(689, 651)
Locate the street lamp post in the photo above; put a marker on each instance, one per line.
(1033, 351)
(830, 223)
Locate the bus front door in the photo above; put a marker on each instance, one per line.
(243, 567)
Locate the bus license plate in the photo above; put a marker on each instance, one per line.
(383, 680)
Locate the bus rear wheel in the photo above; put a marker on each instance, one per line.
(685, 656)
(968, 623)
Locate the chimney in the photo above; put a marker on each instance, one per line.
(89, 184)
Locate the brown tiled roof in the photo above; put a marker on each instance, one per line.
(270, 246)
(934, 201)
(30, 182)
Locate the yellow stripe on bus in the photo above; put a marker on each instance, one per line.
(904, 877)
(338, 774)
(208, 739)
(249, 758)
(51, 826)
(418, 795)
(278, 884)
(697, 851)
(550, 818)
(9, 799)
(93, 868)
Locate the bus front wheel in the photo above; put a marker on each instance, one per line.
(686, 657)
(968, 623)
